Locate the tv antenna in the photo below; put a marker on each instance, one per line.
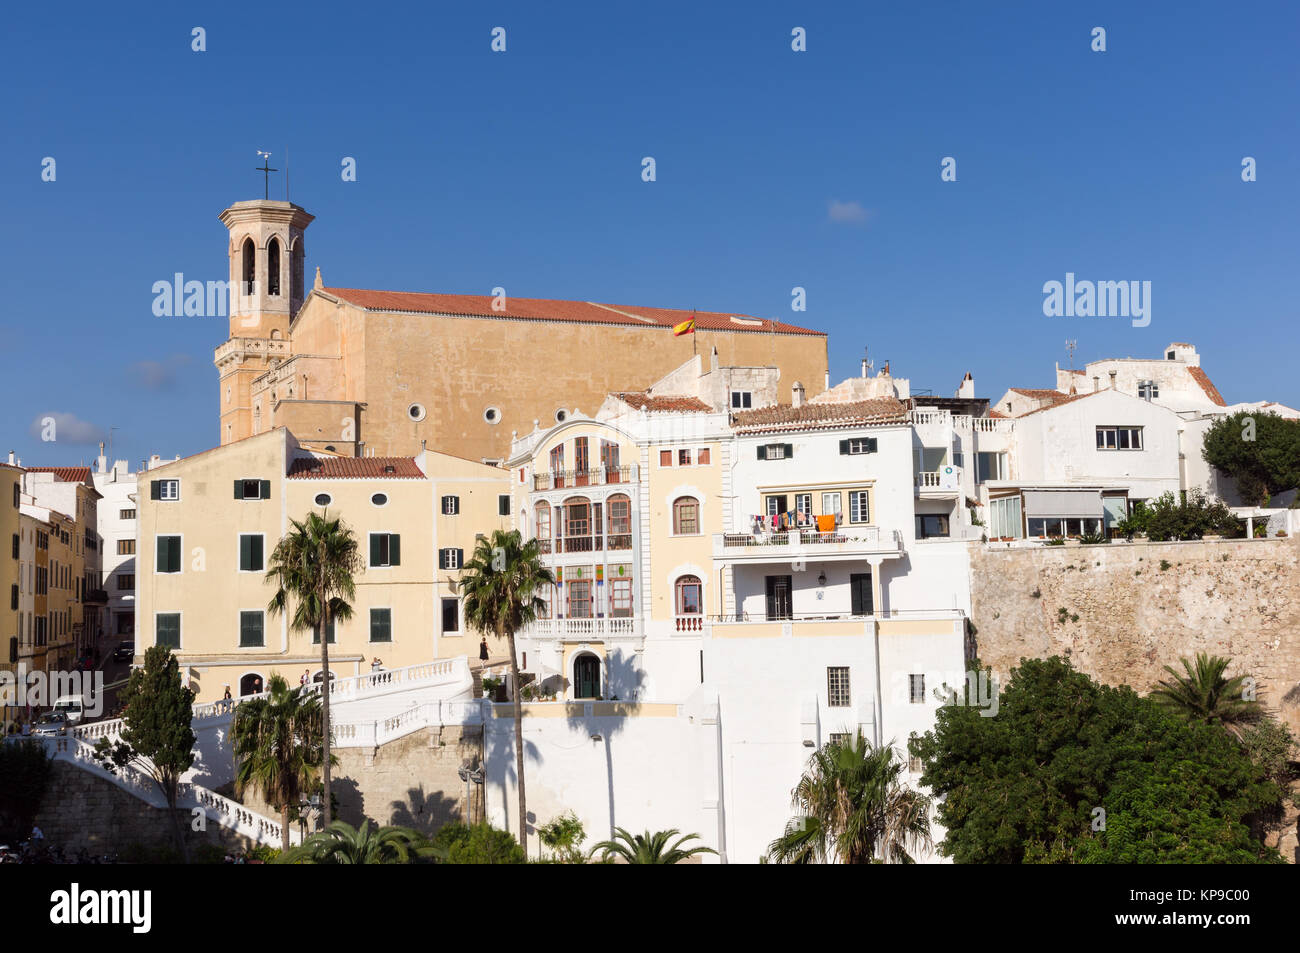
(1070, 347)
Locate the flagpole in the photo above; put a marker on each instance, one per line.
(695, 333)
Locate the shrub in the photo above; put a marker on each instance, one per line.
(1170, 518)
(483, 844)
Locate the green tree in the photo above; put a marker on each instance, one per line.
(1202, 693)
(156, 736)
(853, 809)
(341, 843)
(279, 746)
(478, 844)
(312, 567)
(1271, 746)
(24, 774)
(502, 585)
(1261, 451)
(1070, 771)
(564, 836)
(1168, 517)
(648, 848)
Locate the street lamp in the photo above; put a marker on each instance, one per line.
(468, 774)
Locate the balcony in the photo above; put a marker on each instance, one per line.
(848, 543)
(96, 597)
(594, 630)
(984, 424)
(897, 622)
(246, 347)
(586, 544)
(944, 483)
(571, 479)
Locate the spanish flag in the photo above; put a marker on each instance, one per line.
(686, 327)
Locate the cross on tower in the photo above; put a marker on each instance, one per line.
(266, 172)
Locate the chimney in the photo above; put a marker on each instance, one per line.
(796, 394)
(101, 463)
(967, 388)
(1113, 375)
(1096, 383)
(884, 371)
(866, 365)
(11, 458)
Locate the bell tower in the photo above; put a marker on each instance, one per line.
(267, 288)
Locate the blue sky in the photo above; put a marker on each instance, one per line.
(522, 169)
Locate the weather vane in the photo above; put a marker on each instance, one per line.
(266, 171)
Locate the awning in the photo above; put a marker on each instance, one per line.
(1086, 503)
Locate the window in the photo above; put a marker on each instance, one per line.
(125, 581)
(251, 629)
(776, 451)
(381, 625)
(859, 512)
(250, 552)
(503, 504)
(916, 689)
(492, 415)
(832, 505)
(250, 267)
(860, 593)
(776, 505)
(557, 460)
(576, 528)
(702, 457)
(914, 764)
(683, 458)
(450, 616)
(561, 416)
(252, 489)
(17, 495)
(16, 545)
(837, 687)
(415, 412)
(169, 554)
(13, 596)
(126, 514)
(931, 524)
(295, 270)
(580, 599)
(324, 499)
(990, 466)
(620, 600)
(543, 521)
(379, 499)
(620, 522)
(451, 558)
(1053, 526)
(686, 516)
(330, 633)
(689, 596)
(665, 458)
(450, 505)
(1119, 438)
(1148, 390)
(858, 445)
(273, 267)
(839, 737)
(803, 504)
(167, 629)
(580, 456)
(741, 399)
(165, 490)
(385, 549)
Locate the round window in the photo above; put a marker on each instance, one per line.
(323, 499)
(492, 415)
(379, 499)
(561, 416)
(415, 411)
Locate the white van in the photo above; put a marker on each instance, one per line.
(72, 708)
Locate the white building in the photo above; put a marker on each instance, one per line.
(117, 530)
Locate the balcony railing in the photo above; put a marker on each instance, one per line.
(599, 476)
(922, 418)
(586, 544)
(877, 614)
(606, 628)
(689, 623)
(808, 542)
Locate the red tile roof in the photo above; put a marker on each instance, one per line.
(65, 474)
(1038, 394)
(1064, 399)
(1207, 385)
(542, 309)
(995, 414)
(783, 417)
(354, 468)
(664, 403)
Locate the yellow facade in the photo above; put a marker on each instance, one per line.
(11, 582)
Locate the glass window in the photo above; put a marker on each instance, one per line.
(689, 596)
(858, 509)
(683, 458)
(831, 504)
(450, 616)
(543, 521)
(803, 504)
(620, 602)
(686, 516)
(580, 599)
(838, 694)
(741, 399)
(930, 525)
(169, 489)
(381, 625)
(916, 689)
(167, 629)
(251, 633)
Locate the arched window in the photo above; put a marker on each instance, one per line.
(251, 684)
(544, 526)
(576, 528)
(586, 676)
(273, 266)
(686, 516)
(295, 270)
(690, 596)
(619, 533)
(250, 266)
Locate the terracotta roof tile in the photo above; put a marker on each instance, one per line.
(1207, 385)
(782, 417)
(665, 403)
(1038, 394)
(354, 468)
(543, 309)
(65, 474)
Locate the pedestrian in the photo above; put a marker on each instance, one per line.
(37, 833)
(306, 677)
(257, 686)
(226, 697)
(376, 665)
(482, 650)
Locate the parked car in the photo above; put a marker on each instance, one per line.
(125, 651)
(51, 724)
(72, 706)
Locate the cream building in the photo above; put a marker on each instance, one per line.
(209, 523)
(362, 372)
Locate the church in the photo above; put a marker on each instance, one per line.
(386, 373)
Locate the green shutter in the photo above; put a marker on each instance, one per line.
(871, 445)
(460, 558)
(265, 487)
(503, 505)
(374, 548)
(155, 489)
(394, 549)
(239, 489)
(245, 553)
(167, 630)
(762, 452)
(250, 629)
(844, 446)
(258, 543)
(789, 450)
(381, 625)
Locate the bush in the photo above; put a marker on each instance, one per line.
(24, 774)
(1169, 518)
(478, 844)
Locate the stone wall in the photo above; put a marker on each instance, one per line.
(1132, 608)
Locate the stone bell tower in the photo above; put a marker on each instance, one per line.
(267, 288)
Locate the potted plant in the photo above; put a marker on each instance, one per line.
(490, 686)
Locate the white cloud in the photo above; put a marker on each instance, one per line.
(846, 213)
(65, 428)
(157, 375)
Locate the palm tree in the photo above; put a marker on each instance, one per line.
(313, 565)
(278, 745)
(501, 587)
(1201, 693)
(649, 848)
(341, 843)
(853, 810)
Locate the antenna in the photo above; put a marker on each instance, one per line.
(266, 171)
(1071, 346)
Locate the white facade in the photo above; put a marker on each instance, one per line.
(117, 532)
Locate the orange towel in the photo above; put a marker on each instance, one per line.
(826, 524)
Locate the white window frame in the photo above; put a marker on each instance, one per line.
(1112, 432)
(916, 689)
(779, 449)
(460, 621)
(859, 445)
(387, 565)
(837, 510)
(844, 691)
(163, 486)
(742, 399)
(866, 505)
(451, 553)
